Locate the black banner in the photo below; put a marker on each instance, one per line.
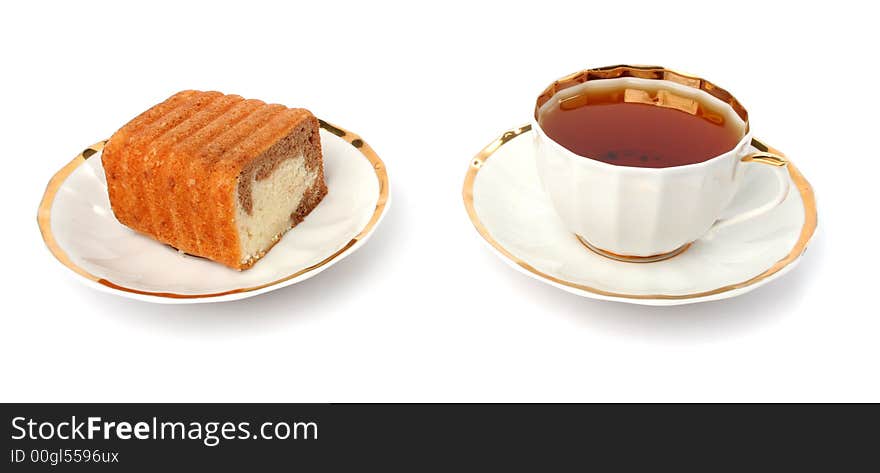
(322, 437)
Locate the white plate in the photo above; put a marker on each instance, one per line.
(509, 208)
(79, 228)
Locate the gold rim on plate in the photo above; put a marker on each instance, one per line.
(801, 184)
(44, 218)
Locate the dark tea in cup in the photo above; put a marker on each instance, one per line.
(639, 127)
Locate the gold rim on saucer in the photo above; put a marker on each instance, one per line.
(803, 187)
(44, 218)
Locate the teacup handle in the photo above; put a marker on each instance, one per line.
(779, 166)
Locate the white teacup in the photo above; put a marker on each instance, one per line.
(647, 214)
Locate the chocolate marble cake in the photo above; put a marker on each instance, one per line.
(216, 175)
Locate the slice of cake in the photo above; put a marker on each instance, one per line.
(216, 175)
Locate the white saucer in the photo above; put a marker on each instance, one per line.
(510, 209)
(79, 228)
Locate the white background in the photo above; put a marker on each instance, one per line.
(424, 311)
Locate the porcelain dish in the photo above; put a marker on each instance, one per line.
(80, 230)
(507, 204)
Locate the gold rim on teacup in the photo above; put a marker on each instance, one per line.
(642, 72)
(633, 259)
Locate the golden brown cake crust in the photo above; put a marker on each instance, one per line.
(172, 170)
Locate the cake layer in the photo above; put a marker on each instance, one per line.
(274, 200)
(186, 172)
